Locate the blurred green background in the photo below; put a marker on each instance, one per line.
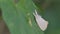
(52, 14)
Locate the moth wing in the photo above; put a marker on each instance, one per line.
(41, 23)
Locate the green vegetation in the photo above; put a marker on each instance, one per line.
(19, 18)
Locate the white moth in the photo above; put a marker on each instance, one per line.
(40, 21)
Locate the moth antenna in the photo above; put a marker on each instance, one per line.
(36, 12)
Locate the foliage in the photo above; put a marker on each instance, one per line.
(19, 16)
(20, 20)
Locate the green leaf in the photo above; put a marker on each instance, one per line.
(19, 17)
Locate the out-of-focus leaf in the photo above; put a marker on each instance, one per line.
(52, 15)
(19, 17)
